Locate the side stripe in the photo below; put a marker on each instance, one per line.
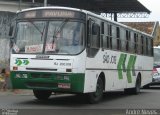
(121, 65)
(130, 66)
(130, 69)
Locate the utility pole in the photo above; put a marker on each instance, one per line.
(20, 1)
(115, 16)
(45, 3)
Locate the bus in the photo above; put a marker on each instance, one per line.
(70, 50)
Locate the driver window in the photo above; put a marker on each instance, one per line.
(95, 40)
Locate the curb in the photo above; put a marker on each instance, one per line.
(16, 92)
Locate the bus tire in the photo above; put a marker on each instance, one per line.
(96, 96)
(42, 94)
(136, 89)
(146, 86)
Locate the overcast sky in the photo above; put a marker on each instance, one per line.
(153, 6)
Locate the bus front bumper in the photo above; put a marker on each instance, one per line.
(57, 82)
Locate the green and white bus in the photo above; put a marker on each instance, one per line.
(69, 50)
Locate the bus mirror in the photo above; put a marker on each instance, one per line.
(93, 34)
(11, 42)
(11, 31)
(89, 25)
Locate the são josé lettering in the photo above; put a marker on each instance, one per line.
(109, 59)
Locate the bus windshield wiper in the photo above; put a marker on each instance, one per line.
(41, 32)
(59, 29)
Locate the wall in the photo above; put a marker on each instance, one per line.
(7, 14)
(5, 21)
(156, 41)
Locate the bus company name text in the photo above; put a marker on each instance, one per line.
(112, 59)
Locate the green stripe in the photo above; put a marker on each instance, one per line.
(121, 65)
(130, 66)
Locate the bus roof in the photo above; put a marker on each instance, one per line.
(86, 12)
(51, 7)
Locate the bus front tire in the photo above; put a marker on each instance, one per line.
(42, 94)
(96, 96)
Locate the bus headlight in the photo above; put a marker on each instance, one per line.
(62, 77)
(21, 76)
(66, 78)
(59, 77)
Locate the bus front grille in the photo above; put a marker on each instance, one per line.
(41, 85)
(33, 75)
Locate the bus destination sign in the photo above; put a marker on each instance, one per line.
(30, 14)
(58, 13)
(51, 13)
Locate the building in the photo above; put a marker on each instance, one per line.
(151, 28)
(7, 15)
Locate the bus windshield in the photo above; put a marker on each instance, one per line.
(49, 37)
(29, 37)
(65, 37)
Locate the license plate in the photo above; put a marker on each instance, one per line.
(64, 85)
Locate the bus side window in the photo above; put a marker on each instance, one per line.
(118, 38)
(109, 36)
(149, 47)
(95, 39)
(102, 35)
(147, 52)
(142, 51)
(144, 46)
(128, 37)
(135, 43)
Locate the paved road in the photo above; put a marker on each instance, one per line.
(147, 99)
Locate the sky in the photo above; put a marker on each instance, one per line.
(153, 6)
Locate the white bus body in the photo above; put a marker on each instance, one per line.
(108, 55)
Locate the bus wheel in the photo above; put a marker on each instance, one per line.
(136, 89)
(42, 94)
(95, 97)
